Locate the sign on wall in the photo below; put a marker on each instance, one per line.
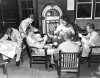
(70, 4)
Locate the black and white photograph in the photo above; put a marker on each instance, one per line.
(49, 38)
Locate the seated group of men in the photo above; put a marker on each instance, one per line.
(63, 38)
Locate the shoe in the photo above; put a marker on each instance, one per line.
(17, 63)
(7, 60)
(52, 66)
(83, 60)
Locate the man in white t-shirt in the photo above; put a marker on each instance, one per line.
(15, 36)
(92, 39)
(68, 45)
(24, 24)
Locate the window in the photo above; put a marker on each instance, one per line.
(97, 10)
(84, 9)
(27, 8)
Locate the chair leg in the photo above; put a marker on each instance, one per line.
(46, 66)
(56, 66)
(28, 52)
(89, 64)
(30, 62)
(46, 63)
(78, 74)
(22, 58)
(59, 72)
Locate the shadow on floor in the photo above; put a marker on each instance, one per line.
(39, 71)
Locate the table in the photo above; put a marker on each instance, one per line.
(8, 48)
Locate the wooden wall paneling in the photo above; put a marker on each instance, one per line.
(82, 23)
(19, 10)
(36, 15)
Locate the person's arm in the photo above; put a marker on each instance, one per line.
(51, 36)
(19, 38)
(5, 37)
(84, 37)
(31, 42)
(93, 38)
(58, 29)
(22, 27)
(39, 38)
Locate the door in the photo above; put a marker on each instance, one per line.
(8, 14)
(25, 8)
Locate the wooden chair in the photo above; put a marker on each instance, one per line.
(93, 57)
(5, 73)
(37, 59)
(68, 62)
(24, 50)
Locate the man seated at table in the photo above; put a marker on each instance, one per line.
(63, 25)
(60, 27)
(14, 36)
(33, 41)
(67, 46)
(92, 39)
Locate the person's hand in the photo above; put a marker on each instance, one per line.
(45, 46)
(80, 35)
(45, 37)
(55, 44)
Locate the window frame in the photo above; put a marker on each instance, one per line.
(77, 3)
(95, 10)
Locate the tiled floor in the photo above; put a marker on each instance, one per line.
(39, 71)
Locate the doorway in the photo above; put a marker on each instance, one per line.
(8, 15)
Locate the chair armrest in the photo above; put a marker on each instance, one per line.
(91, 47)
(95, 47)
(2, 64)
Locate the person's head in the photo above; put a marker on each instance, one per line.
(36, 30)
(28, 30)
(68, 35)
(61, 34)
(9, 31)
(31, 16)
(63, 20)
(90, 27)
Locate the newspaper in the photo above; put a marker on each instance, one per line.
(8, 48)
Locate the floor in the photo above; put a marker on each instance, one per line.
(39, 71)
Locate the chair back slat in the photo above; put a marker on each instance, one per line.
(69, 60)
(93, 57)
(37, 58)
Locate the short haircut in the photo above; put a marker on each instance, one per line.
(31, 16)
(28, 30)
(90, 25)
(68, 34)
(9, 31)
